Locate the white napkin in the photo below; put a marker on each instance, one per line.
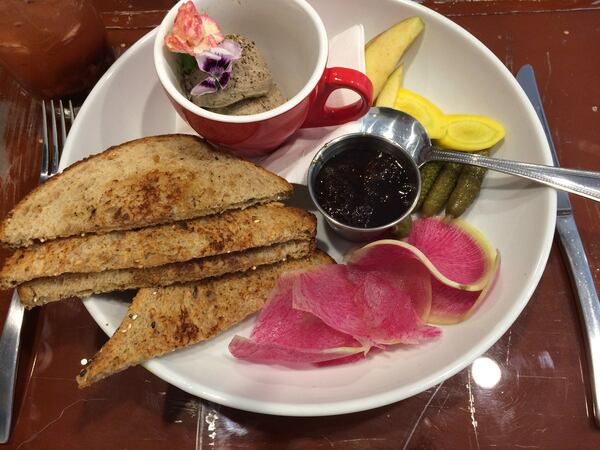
(291, 161)
(346, 49)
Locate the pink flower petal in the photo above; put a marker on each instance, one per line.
(192, 32)
(212, 36)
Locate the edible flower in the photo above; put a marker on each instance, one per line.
(193, 33)
(217, 63)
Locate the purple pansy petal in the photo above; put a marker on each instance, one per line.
(224, 79)
(217, 62)
(207, 86)
(206, 61)
(228, 65)
(228, 48)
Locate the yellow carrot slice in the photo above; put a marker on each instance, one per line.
(428, 114)
(471, 133)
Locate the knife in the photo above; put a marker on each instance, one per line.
(589, 306)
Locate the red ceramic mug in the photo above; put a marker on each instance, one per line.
(294, 41)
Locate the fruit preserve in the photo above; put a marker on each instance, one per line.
(365, 187)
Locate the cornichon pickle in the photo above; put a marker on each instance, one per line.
(467, 189)
(402, 229)
(441, 189)
(429, 173)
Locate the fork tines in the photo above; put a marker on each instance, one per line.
(50, 161)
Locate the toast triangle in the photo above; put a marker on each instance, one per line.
(160, 320)
(155, 246)
(144, 182)
(45, 290)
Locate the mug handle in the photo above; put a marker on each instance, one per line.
(321, 115)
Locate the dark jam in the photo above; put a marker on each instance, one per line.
(365, 188)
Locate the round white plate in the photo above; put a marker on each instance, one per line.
(447, 65)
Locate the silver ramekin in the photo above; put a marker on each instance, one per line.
(362, 140)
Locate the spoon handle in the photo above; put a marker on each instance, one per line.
(580, 182)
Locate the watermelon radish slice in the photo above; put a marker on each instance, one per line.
(265, 352)
(450, 305)
(455, 253)
(389, 292)
(286, 335)
(364, 304)
(280, 323)
(411, 278)
(471, 255)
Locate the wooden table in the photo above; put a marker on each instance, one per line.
(543, 397)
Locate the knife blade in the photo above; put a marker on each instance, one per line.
(573, 251)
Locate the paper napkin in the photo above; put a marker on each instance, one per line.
(291, 161)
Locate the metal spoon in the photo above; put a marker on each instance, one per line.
(410, 134)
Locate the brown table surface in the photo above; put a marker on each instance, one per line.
(543, 397)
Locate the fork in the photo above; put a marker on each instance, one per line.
(10, 339)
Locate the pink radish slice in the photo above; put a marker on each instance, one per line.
(384, 254)
(456, 249)
(279, 323)
(266, 352)
(285, 335)
(348, 359)
(456, 254)
(462, 259)
(411, 278)
(361, 303)
(389, 292)
(450, 305)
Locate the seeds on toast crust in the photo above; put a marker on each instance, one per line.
(160, 320)
(139, 183)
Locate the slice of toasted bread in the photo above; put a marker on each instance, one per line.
(232, 231)
(144, 182)
(165, 319)
(44, 290)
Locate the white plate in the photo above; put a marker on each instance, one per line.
(448, 66)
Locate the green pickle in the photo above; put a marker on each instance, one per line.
(429, 172)
(441, 189)
(467, 189)
(402, 229)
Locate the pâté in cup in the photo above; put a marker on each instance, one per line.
(225, 74)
